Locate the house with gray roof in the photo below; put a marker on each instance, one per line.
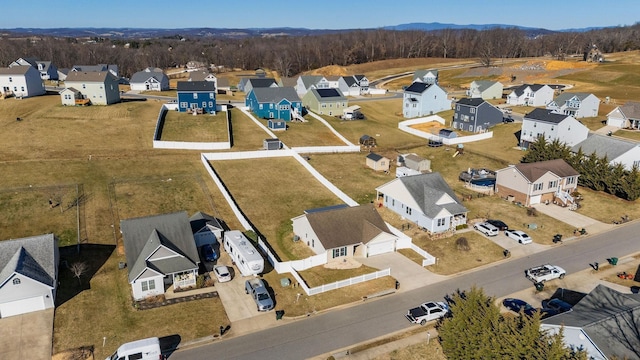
(578, 105)
(354, 85)
(485, 89)
(426, 200)
(149, 79)
(539, 182)
(617, 150)
(626, 116)
(99, 87)
(304, 83)
(325, 101)
(259, 83)
(426, 76)
(604, 323)
(160, 251)
(28, 274)
(423, 99)
(552, 126)
(475, 115)
(206, 229)
(531, 95)
(343, 231)
(112, 68)
(47, 70)
(275, 103)
(21, 82)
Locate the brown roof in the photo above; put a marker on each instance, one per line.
(88, 76)
(347, 226)
(533, 171)
(631, 110)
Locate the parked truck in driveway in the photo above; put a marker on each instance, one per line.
(258, 290)
(542, 273)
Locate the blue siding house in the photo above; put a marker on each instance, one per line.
(275, 103)
(199, 96)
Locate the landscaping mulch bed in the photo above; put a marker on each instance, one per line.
(145, 305)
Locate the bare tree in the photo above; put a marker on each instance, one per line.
(78, 269)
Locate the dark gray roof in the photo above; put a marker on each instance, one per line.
(197, 86)
(200, 220)
(99, 67)
(347, 226)
(350, 80)
(328, 94)
(534, 87)
(533, 171)
(545, 115)
(262, 82)
(473, 102)
(427, 189)
(418, 87)
(562, 98)
(33, 257)
(631, 110)
(421, 73)
(275, 94)
(610, 318)
(374, 156)
(143, 236)
(142, 76)
(608, 146)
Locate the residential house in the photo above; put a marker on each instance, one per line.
(422, 99)
(325, 101)
(475, 115)
(113, 69)
(626, 116)
(206, 229)
(197, 96)
(604, 324)
(334, 81)
(100, 88)
(531, 95)
(343, 232)
(149, 79)
(288, 82)
(551, 125)
(28, 274)
(222, 84)
(260, 83)
(47, 70)
(538, 182)
(21, 82)
(275, 103)
(355, 85)
(62, 74)
(202, 76)
(241, 84)
(160, 251)
(426, 76)
(305, 83)
(426, 200)
(617, 150)
(377, 162)
(578, 105)
(485, 89)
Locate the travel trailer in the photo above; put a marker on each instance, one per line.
(243, 253)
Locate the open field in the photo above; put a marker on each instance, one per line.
(179, 126)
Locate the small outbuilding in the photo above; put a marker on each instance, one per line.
(377, 162)
(447, 133)
(366, 140)
(272, 144)
(276, 124)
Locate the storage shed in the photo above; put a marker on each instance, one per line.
(277, 124)
(366, 140)
(272, 144)
(377, 162)
(447, 134)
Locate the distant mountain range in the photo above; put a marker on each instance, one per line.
(141, 33)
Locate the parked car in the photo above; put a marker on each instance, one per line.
(222, 273)
(208, 254)
(517, 305)
(258, 291)
(428, 311)
(557, 304)
(507, 119)
(547, 312)
(499, 224)
(519, 236)
(486, 228)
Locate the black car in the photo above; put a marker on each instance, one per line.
(507, 119)
(499, 224)
(556, 304)
(517, 305)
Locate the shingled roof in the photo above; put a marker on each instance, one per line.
(418, 87)
(533, 171)
(33, 257)
(545, 115)
(608, 146)
(275, 94)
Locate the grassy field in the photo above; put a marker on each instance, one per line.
(310, 133)
(180, 126)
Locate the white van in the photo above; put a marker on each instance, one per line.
(145, 349)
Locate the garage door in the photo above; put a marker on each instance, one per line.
(21, 306)
(381, 247)
(535, 199)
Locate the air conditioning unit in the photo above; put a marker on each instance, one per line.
(296, 238)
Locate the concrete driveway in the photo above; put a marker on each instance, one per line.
(573, 218)
(28, 336)
(408, 273)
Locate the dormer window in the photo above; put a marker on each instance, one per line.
(16, 281)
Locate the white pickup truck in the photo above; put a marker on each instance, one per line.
(428, 311)
(540, 274)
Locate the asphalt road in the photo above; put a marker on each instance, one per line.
(337, 329)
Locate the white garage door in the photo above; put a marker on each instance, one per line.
(381, 247)
(21, 306)
(535, 199)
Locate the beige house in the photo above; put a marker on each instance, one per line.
(377, 162)
(325, 101)
(99, 87)
(540, 182)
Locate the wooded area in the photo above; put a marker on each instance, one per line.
(292, 55)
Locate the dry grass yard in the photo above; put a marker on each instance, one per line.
(180, 126)
(310, 133)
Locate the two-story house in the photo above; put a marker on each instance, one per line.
(99, 87)
(149, 79)
(355, 85)
(422, 99)
(485, 89)
(578, 105)
(305, 83)
(551, 125)
(21, 82)
(112, 68)
(538, 182)
(475, 115)
(47, 70)
(531, 95)
(197, 96)
(275, 103)
(426, 76)
(325, 101)
(625, 116)
(259, 83)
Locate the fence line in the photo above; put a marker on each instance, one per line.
(428, 258)
(186, 145)
(406, 127)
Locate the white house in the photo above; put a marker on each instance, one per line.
(149, 79)
(47, 70)
(101, 88)
(547, 123)
(625, 116)
(578, 105)
(426, 199)
(531, 95)
(355, 85)
(304, 83)
(617, 150)
(422, 99)
(485, 89)
(426, 76)
(28, 274)
(21, 81)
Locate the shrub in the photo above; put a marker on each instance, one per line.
(532, 211)
(462, 244)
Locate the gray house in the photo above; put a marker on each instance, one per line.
(149, 79)
(475, 115)
(426, 76)
(578, 105)
(47, 70)
(604, 323)
(625, 116)
(422, 99)
(160, 251)
(617, 150)
(427, 200)
(28, 274)
(485, 89)
(100, 88)
(259, 83)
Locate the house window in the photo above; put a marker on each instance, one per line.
(458, 107)
(148, 285)
(441, 222)
(16, 281)
(337, 252)
(408, 211)
(204, 104)
(571, 180)
(260, 106)
(636, 163)
(270, 106)
(313, 242)
(553, 184)
(212, 96)
(84, 86)
(393, 202)
(195, 96)
(537, 187)
(473, 110)
(210, 104)
(324, 105)
(184, 105)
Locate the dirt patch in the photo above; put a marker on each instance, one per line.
(428, 127)
(529, 71)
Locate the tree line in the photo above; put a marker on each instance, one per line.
(595, 172)
(291, 55)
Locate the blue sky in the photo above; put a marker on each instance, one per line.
(326, 14)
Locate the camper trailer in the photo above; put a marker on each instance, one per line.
(243, 253)
(145, 349)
